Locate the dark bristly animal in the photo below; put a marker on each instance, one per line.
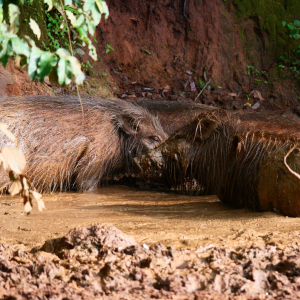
(240, 156)
(68, 150)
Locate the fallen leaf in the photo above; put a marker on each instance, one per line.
(38, 197)
(27, 207)
(135, 20)
(258, 95)
(3, 128)
(14, 158)
(256, 105)
(2, 159)
(232, 94)
(166, 89)
(25, 184)
(189, 85)
(15, 188)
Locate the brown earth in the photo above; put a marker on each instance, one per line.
(98, 262)
(211, 251)
(161, 51)
(15, 82)
(183, 248)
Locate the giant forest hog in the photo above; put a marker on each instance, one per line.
(67, 150)
(240, 156)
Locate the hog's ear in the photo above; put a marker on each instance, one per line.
(128, 124)
(205, 128)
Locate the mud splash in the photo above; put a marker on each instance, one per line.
(151, 217)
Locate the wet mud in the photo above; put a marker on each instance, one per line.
(141, 244)
(149, 216)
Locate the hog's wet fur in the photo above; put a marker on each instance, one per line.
(173, 115)
(237, 159)
(256, 177)
(68, 150)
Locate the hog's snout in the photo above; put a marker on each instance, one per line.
(150, 163)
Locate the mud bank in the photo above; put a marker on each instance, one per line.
(98, 262)
(171, 247)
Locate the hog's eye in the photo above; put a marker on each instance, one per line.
(154, 139)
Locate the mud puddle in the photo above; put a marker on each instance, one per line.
(149, 216)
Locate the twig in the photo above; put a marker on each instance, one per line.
(71, 49)
(202, 89)
(285, 163)
(184, 3)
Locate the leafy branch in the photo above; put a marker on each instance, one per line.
(60, 65)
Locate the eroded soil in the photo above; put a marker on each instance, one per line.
(181, 248)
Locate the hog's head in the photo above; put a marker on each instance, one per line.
(139, 131)
(189, 159)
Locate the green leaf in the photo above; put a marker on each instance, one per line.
(30, 41)
(76, 69)
(284, 23)
(79, 51)
(35, 28)
(79, 21)
(33, 62)
(1, 14)
(6, 52)
(92, 51)
(297, 23)
(91, 26)
(68, 2)
(71, 17)
(96, 15)
(13, 17)
(291, 26)
(46, 63)
(102, 6)
(61, 71)
(78, 3)
(64, 70)
(50, 4)
(88, 5)
(295, 36)
(110, 47)
(20, 47)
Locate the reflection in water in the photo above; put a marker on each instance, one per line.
(149, 216)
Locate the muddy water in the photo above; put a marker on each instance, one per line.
(178, 220)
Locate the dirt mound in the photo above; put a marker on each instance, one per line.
(92, 264)
(90, 237)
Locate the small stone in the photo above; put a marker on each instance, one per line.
(145, 247)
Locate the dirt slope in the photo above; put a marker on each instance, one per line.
(163, 48)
